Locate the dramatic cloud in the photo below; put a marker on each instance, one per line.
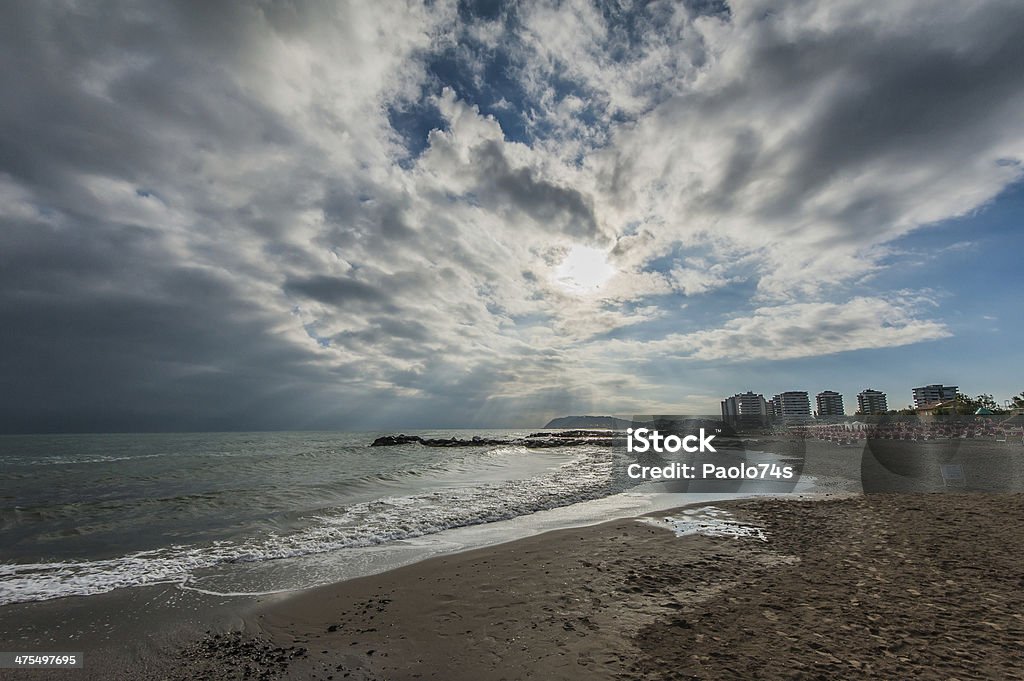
(318, 214)
(800, 330)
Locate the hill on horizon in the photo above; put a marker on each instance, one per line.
(609, 422)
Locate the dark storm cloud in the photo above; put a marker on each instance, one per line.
(99, 336)
(546, 202)
(905, 98)
(391, 332)
(104, 91)
(125, 299)
(366, 215)
(897, 94)
(336, 290)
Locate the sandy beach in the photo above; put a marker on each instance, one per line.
(877, 586)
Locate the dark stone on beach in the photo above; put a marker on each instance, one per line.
(253, 656)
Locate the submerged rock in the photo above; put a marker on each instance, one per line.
(392, 440)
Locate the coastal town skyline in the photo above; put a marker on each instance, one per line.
(828, 403)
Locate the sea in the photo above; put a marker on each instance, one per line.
(261, 513)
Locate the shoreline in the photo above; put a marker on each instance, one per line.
(842, 586)
(821, 467)
(177, 619)
(309, 569)
(413, 621)
(877, 586)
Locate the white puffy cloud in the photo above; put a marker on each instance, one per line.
(812, 136)
(797, 330)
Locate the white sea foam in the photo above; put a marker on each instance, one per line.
(708, 521)
(589, 475)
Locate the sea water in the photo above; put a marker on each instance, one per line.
(244, 513)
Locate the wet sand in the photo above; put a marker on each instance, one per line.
(877, 586)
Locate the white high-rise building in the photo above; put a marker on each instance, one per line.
(872, 402)
(793, 404)
(930, 394)
(830, 403)
(748, 407)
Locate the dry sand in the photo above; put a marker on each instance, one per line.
(878, 586)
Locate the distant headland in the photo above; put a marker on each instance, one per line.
(609, 422)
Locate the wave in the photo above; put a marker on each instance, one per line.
(589, 475)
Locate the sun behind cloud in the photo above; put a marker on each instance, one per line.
(584, 270)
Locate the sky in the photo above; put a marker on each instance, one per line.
(362, 216)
